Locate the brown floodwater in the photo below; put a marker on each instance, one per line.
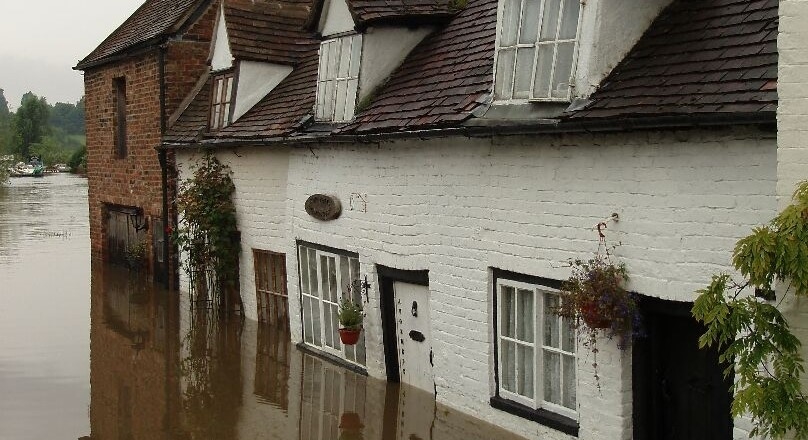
(88, 349)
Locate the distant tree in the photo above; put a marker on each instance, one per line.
(30, 124)
(68, 117)
(5, 123)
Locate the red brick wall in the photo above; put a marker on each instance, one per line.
(137, 179)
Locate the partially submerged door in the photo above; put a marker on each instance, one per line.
(679, 390)
(414, 342)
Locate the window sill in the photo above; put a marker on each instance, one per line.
(358, 369)
(541, 416)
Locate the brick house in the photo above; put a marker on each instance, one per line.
(133, 81)
(473, 148)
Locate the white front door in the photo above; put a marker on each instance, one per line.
(414, 342)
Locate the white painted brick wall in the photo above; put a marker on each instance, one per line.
(458, 207)
(792, 129)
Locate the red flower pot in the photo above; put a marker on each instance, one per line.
(592, 317)
(349, 336)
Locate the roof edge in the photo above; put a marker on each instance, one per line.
(554, 126)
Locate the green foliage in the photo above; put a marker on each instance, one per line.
(30, 124)
(350, 314)
(208, 222)
(78, 160)
(594, 297)
(753, 336)
(68, 117)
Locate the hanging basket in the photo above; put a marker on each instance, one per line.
(349, 336)
(592, 317)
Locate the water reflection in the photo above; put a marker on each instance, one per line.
(162, 372)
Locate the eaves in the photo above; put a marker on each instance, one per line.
(764, 120)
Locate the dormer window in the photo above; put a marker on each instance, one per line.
(338, 78)
(536, 49)
(220, 101)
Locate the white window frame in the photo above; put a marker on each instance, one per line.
(538, 400)
(351, 353)
(221, 100)
(336, 71)
(536, 45)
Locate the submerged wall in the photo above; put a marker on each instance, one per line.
(459, 207)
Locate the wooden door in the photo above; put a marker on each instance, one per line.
(679, 390)
(413, 335)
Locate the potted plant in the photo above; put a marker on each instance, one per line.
(350, 321)
(594, 298)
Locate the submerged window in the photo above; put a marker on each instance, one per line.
(325, 278)
(220, 101)
(270, 287)
(536, 49)
(338, 78)
(536, 349)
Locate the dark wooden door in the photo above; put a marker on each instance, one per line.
(679, 390)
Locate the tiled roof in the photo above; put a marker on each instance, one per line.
(706, 56)
(278, 114)
(194, 119)
(153, 19)
(283, 109)
(367, 11)
(442, 80)
(268, 31)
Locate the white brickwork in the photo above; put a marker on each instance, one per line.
(458, 207)
(792, 128)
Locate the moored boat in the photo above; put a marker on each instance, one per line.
(34, 168)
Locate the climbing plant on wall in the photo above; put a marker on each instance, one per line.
(207, 235)
(753, 336)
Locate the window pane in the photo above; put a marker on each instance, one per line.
(569, 381)
(313, 281)
(524, 72)
(567, 335)
(549, 23)
(507, 369)
(334, 329)
(229, 92)
(217, 90)
(328, 104)
(323, 59)
(569, 20)
(544, 69)
(345, 278)
(552, 377)
(525, 329)
(563, 70)
(345, 57)
(530, 22)
(329, 324)
(226, 115)
(510, 23)
(504, 81)
(333, 58)
(316, 324)
(356, 55)
(508, 312)
(304, 270)
(332, 280)
(552, 329)
(214, 122)
(339, 109)
(308, 327)
(350, 102)
(524, 355)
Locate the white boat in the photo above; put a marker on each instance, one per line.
(34, 168)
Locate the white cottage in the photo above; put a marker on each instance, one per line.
(473, 147)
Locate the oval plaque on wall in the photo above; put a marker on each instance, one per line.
(323, 207)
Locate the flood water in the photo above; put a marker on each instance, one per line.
(93, 350)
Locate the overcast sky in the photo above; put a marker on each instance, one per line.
(41, 40)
